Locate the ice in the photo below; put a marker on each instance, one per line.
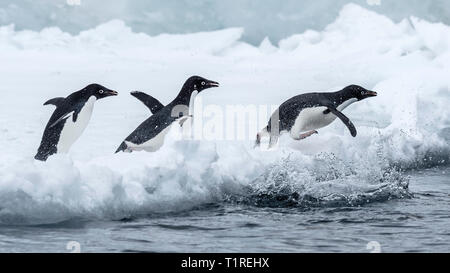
(406, 126)
(260, 18)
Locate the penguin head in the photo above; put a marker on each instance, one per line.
(197, 83)
(359, 92)
(99, 91)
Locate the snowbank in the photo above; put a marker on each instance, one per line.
(260, 18)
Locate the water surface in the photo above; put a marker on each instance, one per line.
(417, 224)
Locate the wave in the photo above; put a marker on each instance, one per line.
(328, 182)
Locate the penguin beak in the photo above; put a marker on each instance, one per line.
(212, 84)
(111, 93)
(371, 94)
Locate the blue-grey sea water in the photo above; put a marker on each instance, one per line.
(419, 223)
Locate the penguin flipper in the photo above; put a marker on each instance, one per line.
(63, 117)
(183, 119)
(153, 104)
(55, 101)
(75, 116)
(345, 120)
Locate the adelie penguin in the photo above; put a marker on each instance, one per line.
(149, 136)
(69, 120)
(302, 115)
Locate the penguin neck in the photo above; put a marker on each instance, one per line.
(185, 96)
(343, 99)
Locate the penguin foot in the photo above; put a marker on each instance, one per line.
(308, 134)
(257, 141)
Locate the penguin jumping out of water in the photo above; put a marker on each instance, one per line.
(69, 120)
(149, 136)
(302, 115)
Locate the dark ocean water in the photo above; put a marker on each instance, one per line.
(417, 224)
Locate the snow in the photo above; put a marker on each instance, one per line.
(407, 63)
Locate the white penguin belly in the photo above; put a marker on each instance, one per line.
(151, 145)
(73, 130)
(311, 119)
(156, 142)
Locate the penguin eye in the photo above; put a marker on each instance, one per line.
(101, 91)
(362, 92)
(203, 83)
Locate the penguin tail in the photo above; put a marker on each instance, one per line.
(123, 147)
(40, 157)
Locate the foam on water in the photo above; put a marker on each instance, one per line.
(406, 126)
